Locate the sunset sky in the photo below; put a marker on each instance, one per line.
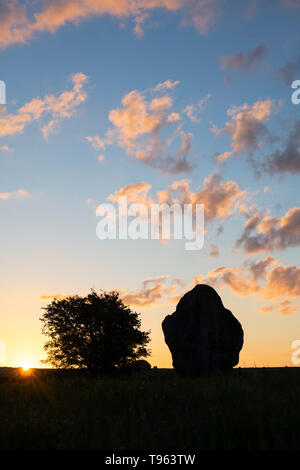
(183, 101)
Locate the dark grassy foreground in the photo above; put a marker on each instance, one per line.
(248, 409)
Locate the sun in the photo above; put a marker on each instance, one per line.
(26, 367)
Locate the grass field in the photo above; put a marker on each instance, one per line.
(248, 409)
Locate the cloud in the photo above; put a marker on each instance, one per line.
(156, 279)
(259, 268)
(251, 9)
(144, 128)
(192, 111)
(283, 281)
(14, 23)
(100, 144)
(202, 14)
(19, 21)
(214, 251)
(135, 192)
(242, 61)
(289, 4)
(220, 199)
(144, 297)
(6, 148)
(20, 193)
(286, 160)
(270, 233)
(154, 290)
(168, 84)
(286, 307)
(155, 155)
(234, 278)
(136, 118)
(260, 278)
(288, 72)
(247, 128)
(61, 107)
(96, 142)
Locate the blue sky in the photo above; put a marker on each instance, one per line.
(49, 235)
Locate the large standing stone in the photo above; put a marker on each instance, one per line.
(202, 335)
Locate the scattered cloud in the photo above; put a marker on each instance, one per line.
(286, 307)
(234, 278)
(166, 85)
(6, 148)
(259, 278)
(19, 21)
(251, 9)
(57, 107)
(214, 251)
(135, 192)
(20, 193)
(192, 111)
(147, 129)
(289, 4)
(247, 128)
(156, 279)
(202, 14)
(244, 61)
(288, 72)
(14, 23)
(144, 297)
(286, 160)
(154, 290)
(266, 233)
(96, 142)
(220, 199)
(282, 281)
(259, 268)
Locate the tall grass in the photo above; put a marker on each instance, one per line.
(248, 409)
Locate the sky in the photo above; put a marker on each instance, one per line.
(177, 101)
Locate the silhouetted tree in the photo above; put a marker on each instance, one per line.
(95, 332)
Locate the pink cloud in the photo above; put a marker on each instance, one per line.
(246, 127)
(270, 233)
(20, 193)
(58, 107)
(260, 278)
(142, 126)
(19, 22)
(220, 199)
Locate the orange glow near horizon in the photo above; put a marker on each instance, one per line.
(26, 367)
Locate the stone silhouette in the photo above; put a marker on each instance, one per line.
(202, 335)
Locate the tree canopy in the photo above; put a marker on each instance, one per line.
(95, 332)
